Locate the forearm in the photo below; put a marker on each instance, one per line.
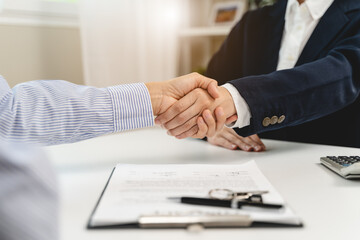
(55, 112)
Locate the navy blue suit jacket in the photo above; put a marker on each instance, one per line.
(319, 97)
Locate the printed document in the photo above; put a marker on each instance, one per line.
(136, 190)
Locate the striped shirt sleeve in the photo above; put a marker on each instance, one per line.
(56, 112)
(131, 106)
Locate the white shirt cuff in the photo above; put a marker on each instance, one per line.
(242, 108)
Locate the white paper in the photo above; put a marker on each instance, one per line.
(136, 190)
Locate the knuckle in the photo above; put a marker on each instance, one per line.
(195, 74)
(205, 100)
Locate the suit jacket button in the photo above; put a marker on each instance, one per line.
(266, 122)
(281, 119)
(274, 120)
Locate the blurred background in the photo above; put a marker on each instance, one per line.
(110, 42)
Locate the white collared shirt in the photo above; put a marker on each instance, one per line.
(300, 22)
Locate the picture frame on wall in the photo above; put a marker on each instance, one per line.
(227, 13)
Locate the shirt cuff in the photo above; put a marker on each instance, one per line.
(242, 108)
(131, 106)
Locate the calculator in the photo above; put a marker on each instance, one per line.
(345, 166)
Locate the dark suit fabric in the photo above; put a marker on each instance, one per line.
(319, 97)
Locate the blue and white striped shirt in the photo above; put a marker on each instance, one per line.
(54, 112)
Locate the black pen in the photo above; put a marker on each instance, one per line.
(222, 203)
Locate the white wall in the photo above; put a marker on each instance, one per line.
(38, 52)
(130, 40)
(39, 40)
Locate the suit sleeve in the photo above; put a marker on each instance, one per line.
(304, 93)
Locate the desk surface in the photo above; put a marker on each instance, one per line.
(328, 204)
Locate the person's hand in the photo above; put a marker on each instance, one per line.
(206, 125)
(181, 118)
(165, 94)
(229, 139)
(210, 125)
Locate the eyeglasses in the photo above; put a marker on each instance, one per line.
(235, 197)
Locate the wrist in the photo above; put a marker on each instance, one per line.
(227, 102)
(156, 95)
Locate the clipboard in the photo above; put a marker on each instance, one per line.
(186, 219)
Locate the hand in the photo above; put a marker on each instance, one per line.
(165, 94)
(229, 139)
(206, 125)
(181, 118)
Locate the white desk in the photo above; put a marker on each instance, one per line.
(328, 204)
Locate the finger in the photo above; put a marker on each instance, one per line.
(176, 108)
(246, 144)
(188, 133)
(203, 128)
(213, 89)
(220, 118)
(184, 117)
(238, 140)
(223, 142)
(210, 122)
(256, 138)
(184, 127)
(231, 119)
(256, 146)
(196, 80)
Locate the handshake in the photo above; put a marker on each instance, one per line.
(191, 106)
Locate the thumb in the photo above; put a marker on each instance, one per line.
(208, 84)
(213, 89)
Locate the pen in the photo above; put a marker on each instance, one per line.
(222, 203)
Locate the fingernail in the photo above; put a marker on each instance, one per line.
(257, 148)
(157, 122)
(233, 146)
(221, 112)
